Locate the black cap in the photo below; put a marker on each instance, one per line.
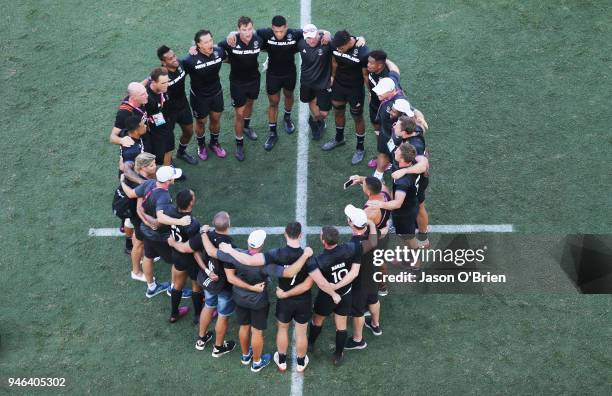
(341, 38)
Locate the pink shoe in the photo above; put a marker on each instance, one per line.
(218, 150)
(372, 163)
(203, 153)
(182, 311)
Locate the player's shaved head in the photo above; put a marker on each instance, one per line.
(221, 221)
(135, 89)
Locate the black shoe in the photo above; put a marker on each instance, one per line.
(271, 141)
(352, 344)
(314, 128)
(250, 133)
(239, 154)
(201, 341)
(227, 347)
(338, 359)
(289, 126)
(187, 158)
(182, 178)
(376, 330)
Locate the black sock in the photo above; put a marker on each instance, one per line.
(239, 142)
(214, 138)
(313, 333)
(272, 128)
(339, 134)
(175, 296)
(360, 140)
(287, 114)
(128, 243)
(340, 341)
(198, 301)
(201, 140)
(182, 148)
(422, 236)
(301, 360)
(247, 122)
(282, 358)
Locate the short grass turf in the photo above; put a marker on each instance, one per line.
(515, 93)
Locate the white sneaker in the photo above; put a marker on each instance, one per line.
(156, 259)
(140, 277)
(299, 368)
(281, 366)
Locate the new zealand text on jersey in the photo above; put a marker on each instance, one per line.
(201, 65)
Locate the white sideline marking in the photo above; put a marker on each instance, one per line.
(315, 230)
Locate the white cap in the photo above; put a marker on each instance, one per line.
(357, 216)
(310, 31)
(403, 106)
(256, 239)
(384, 85)
(165, 173)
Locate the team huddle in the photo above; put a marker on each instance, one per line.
(225, 279)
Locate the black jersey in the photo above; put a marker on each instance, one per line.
(204, 71)
(154, 200)
(336, 263)
(154, 107)
(383, 117)
(408, 184)
(213, 264)
(177, 99)
(129, 154)
(127, 110)
(316, 65)
(285, 256)
(281, 53)
(244, 67)
(350, 66)
(183, 234)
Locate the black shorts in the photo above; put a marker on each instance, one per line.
(154, 249)
(299, 309)
(323, 96)
(373, 107)
(190, 266)
(136, 223)
(423, 183)
(324, 305)
(360, 302)
(381, 145)
(240, 92)
(275, 83)
(405, 222)
(256, 318)
(180, 116)
(355, 96)
(162, 141)
(201, 106)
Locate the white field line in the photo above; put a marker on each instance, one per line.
(315, 230)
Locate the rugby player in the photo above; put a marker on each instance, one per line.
(244, 80)
(133, 104)
(404, 205)
(339, 265)
(211, 277)
(184, 263)
(162, 138)
(251, 296)
(154, 202)
(206, 94)
(379, 67)
(294, 298)
(176, 109)
(349, 75)
(407, 130)
(144, 168)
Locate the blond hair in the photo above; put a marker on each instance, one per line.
(143, 160)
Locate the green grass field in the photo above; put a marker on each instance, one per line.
(517, 96)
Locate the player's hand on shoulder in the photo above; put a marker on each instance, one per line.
(231, 39)
(193, 50)
(127, 141)
(185, 221)
(398, 174)
(374, 203)
(204, 229)
(360, 41)
(308, 251)
(326, 38)
(225, 247)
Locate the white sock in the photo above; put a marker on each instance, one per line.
(257, 362)
(152, 285)
(378, 175)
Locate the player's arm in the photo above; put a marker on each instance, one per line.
(130, 173)
(324, 285)
(148, 220)
(125, 141)
(334, 66)
(211, 250)
(420, 120)
(364, 74)
(129, 191)
(243, 258)
(396, 203)
(421, 166)
(297, 290)
(232, 278)
(392, 66)
(181, 247)
(294, 268)
(372, 241)
(167, 220)
(350, 277)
